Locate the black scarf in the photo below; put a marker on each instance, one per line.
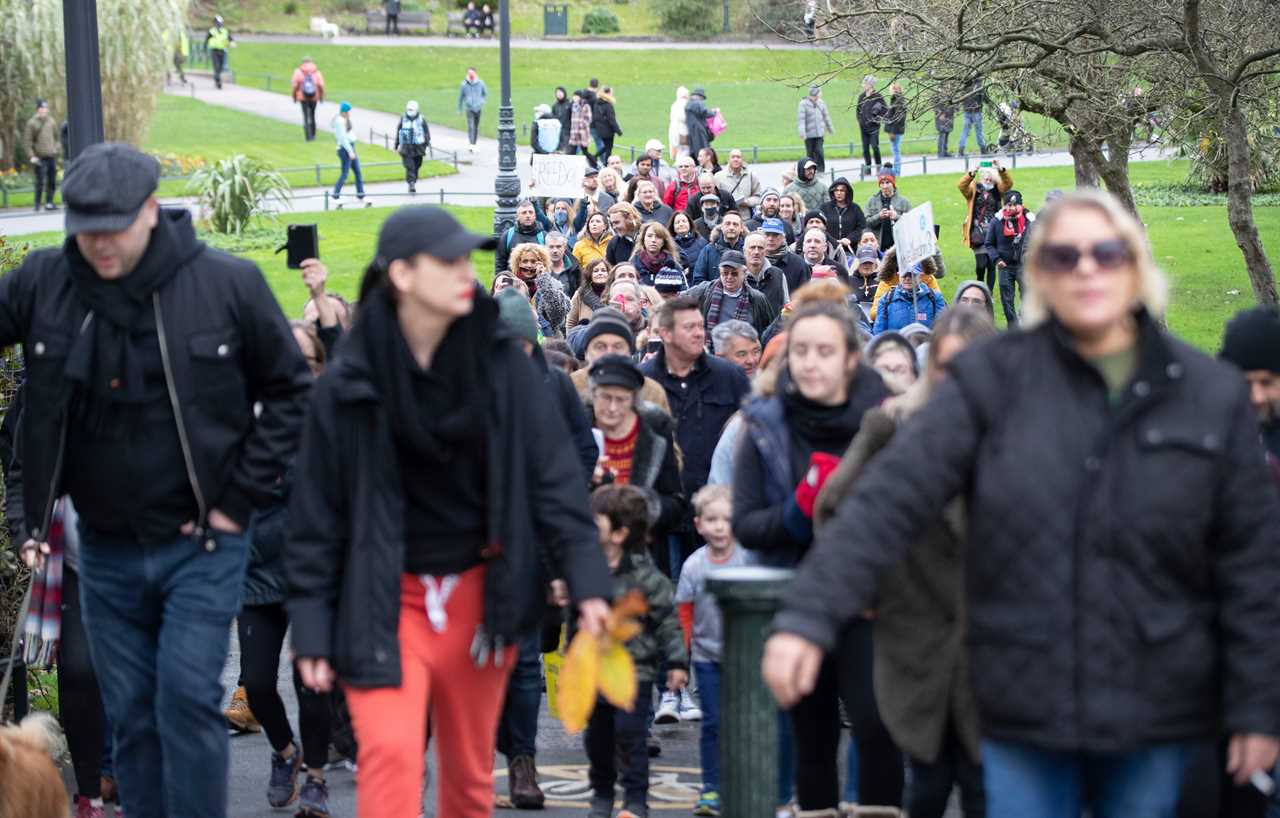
(829, 428)
(442, 427)
(105, 353)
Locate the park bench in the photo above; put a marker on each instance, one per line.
(376, 21)
(456, 28)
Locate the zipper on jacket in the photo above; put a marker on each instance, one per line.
(47, 520)
(202, 520)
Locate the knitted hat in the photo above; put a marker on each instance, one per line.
(887, 174)
(343, 107)
(668, 280)
(1252, 340)
(770, 191)
(813, 90)
(516, 315)
(608, 321)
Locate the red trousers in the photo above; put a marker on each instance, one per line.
(439, 679)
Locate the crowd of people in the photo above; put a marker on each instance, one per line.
(1033, 563)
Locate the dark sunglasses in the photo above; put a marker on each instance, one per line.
(1060, 259)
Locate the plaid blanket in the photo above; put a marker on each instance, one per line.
(43, 625)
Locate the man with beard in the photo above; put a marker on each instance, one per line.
(710, 218)
(1252, 343)
(526, 229)
(728, 236)
(811, 190)
(768, 208)
(761, 274)
(644, 171)
(792, 266)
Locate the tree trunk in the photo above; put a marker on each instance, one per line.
(1085, 161)
(1115, 168)
(1240, 204)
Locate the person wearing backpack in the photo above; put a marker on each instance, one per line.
(308, 91)
(413, 137)
(544, 136)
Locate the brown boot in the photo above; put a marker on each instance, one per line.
(107, 789)
(239, 716)
(523, 780)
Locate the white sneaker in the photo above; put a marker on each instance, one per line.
(689, 710)
(668, 709)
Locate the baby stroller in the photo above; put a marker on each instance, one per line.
(1014, 138)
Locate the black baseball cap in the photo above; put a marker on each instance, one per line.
(616, 370)
(732, 258)
(106, 186)
(427, 229)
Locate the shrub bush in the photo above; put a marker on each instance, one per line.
(600, 21)
(236, 190)
(13, 576)
(689, 19)
(291, 8)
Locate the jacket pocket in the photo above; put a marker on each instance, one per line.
(1011, 660)
(1177, 663)
(215, 369)
(1181, 464)
(45, 356)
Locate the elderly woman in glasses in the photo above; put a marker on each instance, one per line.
(1122, 590)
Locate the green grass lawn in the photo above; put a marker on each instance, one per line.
(187, 127)
(1192, 244)
(758, 91)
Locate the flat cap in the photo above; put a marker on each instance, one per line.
(106, 186)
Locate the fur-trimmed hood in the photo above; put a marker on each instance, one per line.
(889, 266)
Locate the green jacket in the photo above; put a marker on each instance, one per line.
(41, 138)
(662, 636)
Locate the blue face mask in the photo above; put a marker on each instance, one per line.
(987, 186)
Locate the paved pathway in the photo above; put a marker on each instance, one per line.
(473, 185)
(360, 39)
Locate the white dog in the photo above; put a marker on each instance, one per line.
(325, 28)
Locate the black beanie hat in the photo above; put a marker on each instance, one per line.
(609, 321)
(1252, 340)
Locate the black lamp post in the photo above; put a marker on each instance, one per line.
(507, 184)
(84, 77)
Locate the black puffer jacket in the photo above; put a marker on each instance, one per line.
(846, 222)
(229, 347)
(1122, 579)
(346, 549)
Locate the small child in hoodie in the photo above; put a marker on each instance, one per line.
(704, 627)
(615, 739)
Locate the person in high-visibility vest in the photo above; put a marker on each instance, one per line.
(180, 50)
(218, 40)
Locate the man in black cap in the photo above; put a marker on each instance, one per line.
(732, 296)
(608, 333)
(146, 354)
(1007, 233)
(1252, 342)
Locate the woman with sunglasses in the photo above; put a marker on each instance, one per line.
(1122, 590)
(430, 486)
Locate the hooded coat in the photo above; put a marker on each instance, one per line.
(562, 109)
(901, 307)
(813, 193)
(986, 291)
(678, 126)
(845, 222)
(695, 116)
(933, 270)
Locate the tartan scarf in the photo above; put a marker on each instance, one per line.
(741, 312)
(43, 625)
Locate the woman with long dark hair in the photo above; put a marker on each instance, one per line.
(1122, 594)
(790, 443)
(430, 485)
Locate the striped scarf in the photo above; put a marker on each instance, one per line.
(742, 312)
(43, 625)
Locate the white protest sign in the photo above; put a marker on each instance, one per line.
(913, 236)
(556, 174)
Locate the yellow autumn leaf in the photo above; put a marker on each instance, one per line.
(578, 682)
(618, 677)
(622, 625)
(625, 631)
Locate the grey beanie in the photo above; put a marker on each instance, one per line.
(965, 285)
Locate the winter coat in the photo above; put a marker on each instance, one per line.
(707, 267)
(920, 669)
(772, 458)
(661, 641)
(901, 307)
(884, 227)
(545, 135)
(571, 276)
(651, 393)
(773, 283)
(975, 97)
(871, 110)
(743, 187)
(299, 78)
(812, 119)
(660, 213)
(691, 246)
(619, 249)
(1008, 248)
(1121, 578)
(551, 305)
(968, 187)
(696, 113)
(412, 133)
(944, 116)
(346, 551)
(603, 117)
(229, 347)
(701, 403)
(762, 311)
(678, 123)
(932, 270)
(264, 581)
(587, 249)
(895, 119)
(41, 138)
(580, 125)
(812, 193)
(655, 468)
(472, 95)
(846, 222)
(563, 111)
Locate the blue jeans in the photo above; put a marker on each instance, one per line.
(972, 119)
(1027, 782)
(518, 729)
(896, 141)
(159, 616)
(850, 792)
(708, 674)
(349, 163)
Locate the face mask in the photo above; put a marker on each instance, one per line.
(710, 213)
(987, 186)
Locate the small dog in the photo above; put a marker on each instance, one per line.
(30, 786)
(326, 29)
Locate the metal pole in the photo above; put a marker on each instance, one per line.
(84, 77)
(507, 184)
(725, 27)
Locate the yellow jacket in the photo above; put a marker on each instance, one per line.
(586, 250)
